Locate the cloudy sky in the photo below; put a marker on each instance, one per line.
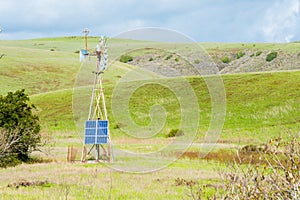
(202, 20)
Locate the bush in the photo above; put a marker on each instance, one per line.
(9, 161)
(151, 59)
(177, 59)
(276, 175)
(271, 56)
(175, 133)
(240, 54)
(126, 58)
(169, 57)
(19, 128)
(225, 59)
(258, 53)
(279, 178)
(197, 61)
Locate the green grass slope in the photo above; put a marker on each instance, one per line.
(257, 104)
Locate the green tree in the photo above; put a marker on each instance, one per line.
(19, 126)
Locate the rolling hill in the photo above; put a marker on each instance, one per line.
(257, 103)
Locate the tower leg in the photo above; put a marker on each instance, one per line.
(97, 152)
(83, 155)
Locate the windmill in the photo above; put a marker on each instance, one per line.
(1, 56)
(96, 132)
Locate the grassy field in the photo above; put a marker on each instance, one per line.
(259, 106)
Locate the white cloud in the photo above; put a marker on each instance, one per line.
(281, 21)
(205, 20)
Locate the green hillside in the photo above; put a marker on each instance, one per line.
(258, 105)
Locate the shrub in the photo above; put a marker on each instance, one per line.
(240, 54)
(196, 61)
(276, 175)
(151, 59)
(19, 128)
(258, 53)
(9, 161)
(279, 178)
(252, 55)
(175, 132)
(225, 59)
(271, 56)
(177, 59)
(126, 58)
(169, 57)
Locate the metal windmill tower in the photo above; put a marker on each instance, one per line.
(97, 126)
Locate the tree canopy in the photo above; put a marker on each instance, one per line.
(19, 126)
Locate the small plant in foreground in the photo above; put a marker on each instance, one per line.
(279, 178)
(275, 176)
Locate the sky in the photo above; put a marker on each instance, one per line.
(201, 20)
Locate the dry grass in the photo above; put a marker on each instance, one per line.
(94, 181)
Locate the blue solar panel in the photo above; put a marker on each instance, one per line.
(96, 135)
(90, 124)
(102, 131)
(89, 140)
(102, 140)
(103, 123)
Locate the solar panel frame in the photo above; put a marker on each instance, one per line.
(96, 132)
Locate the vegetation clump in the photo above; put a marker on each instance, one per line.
(169, 57)
(196, 61)
(126, 58)
(240, 54)
(225, 59)
(175, 133)
(274, 175)
(271, 56)
(258, 53)
(19, 129)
